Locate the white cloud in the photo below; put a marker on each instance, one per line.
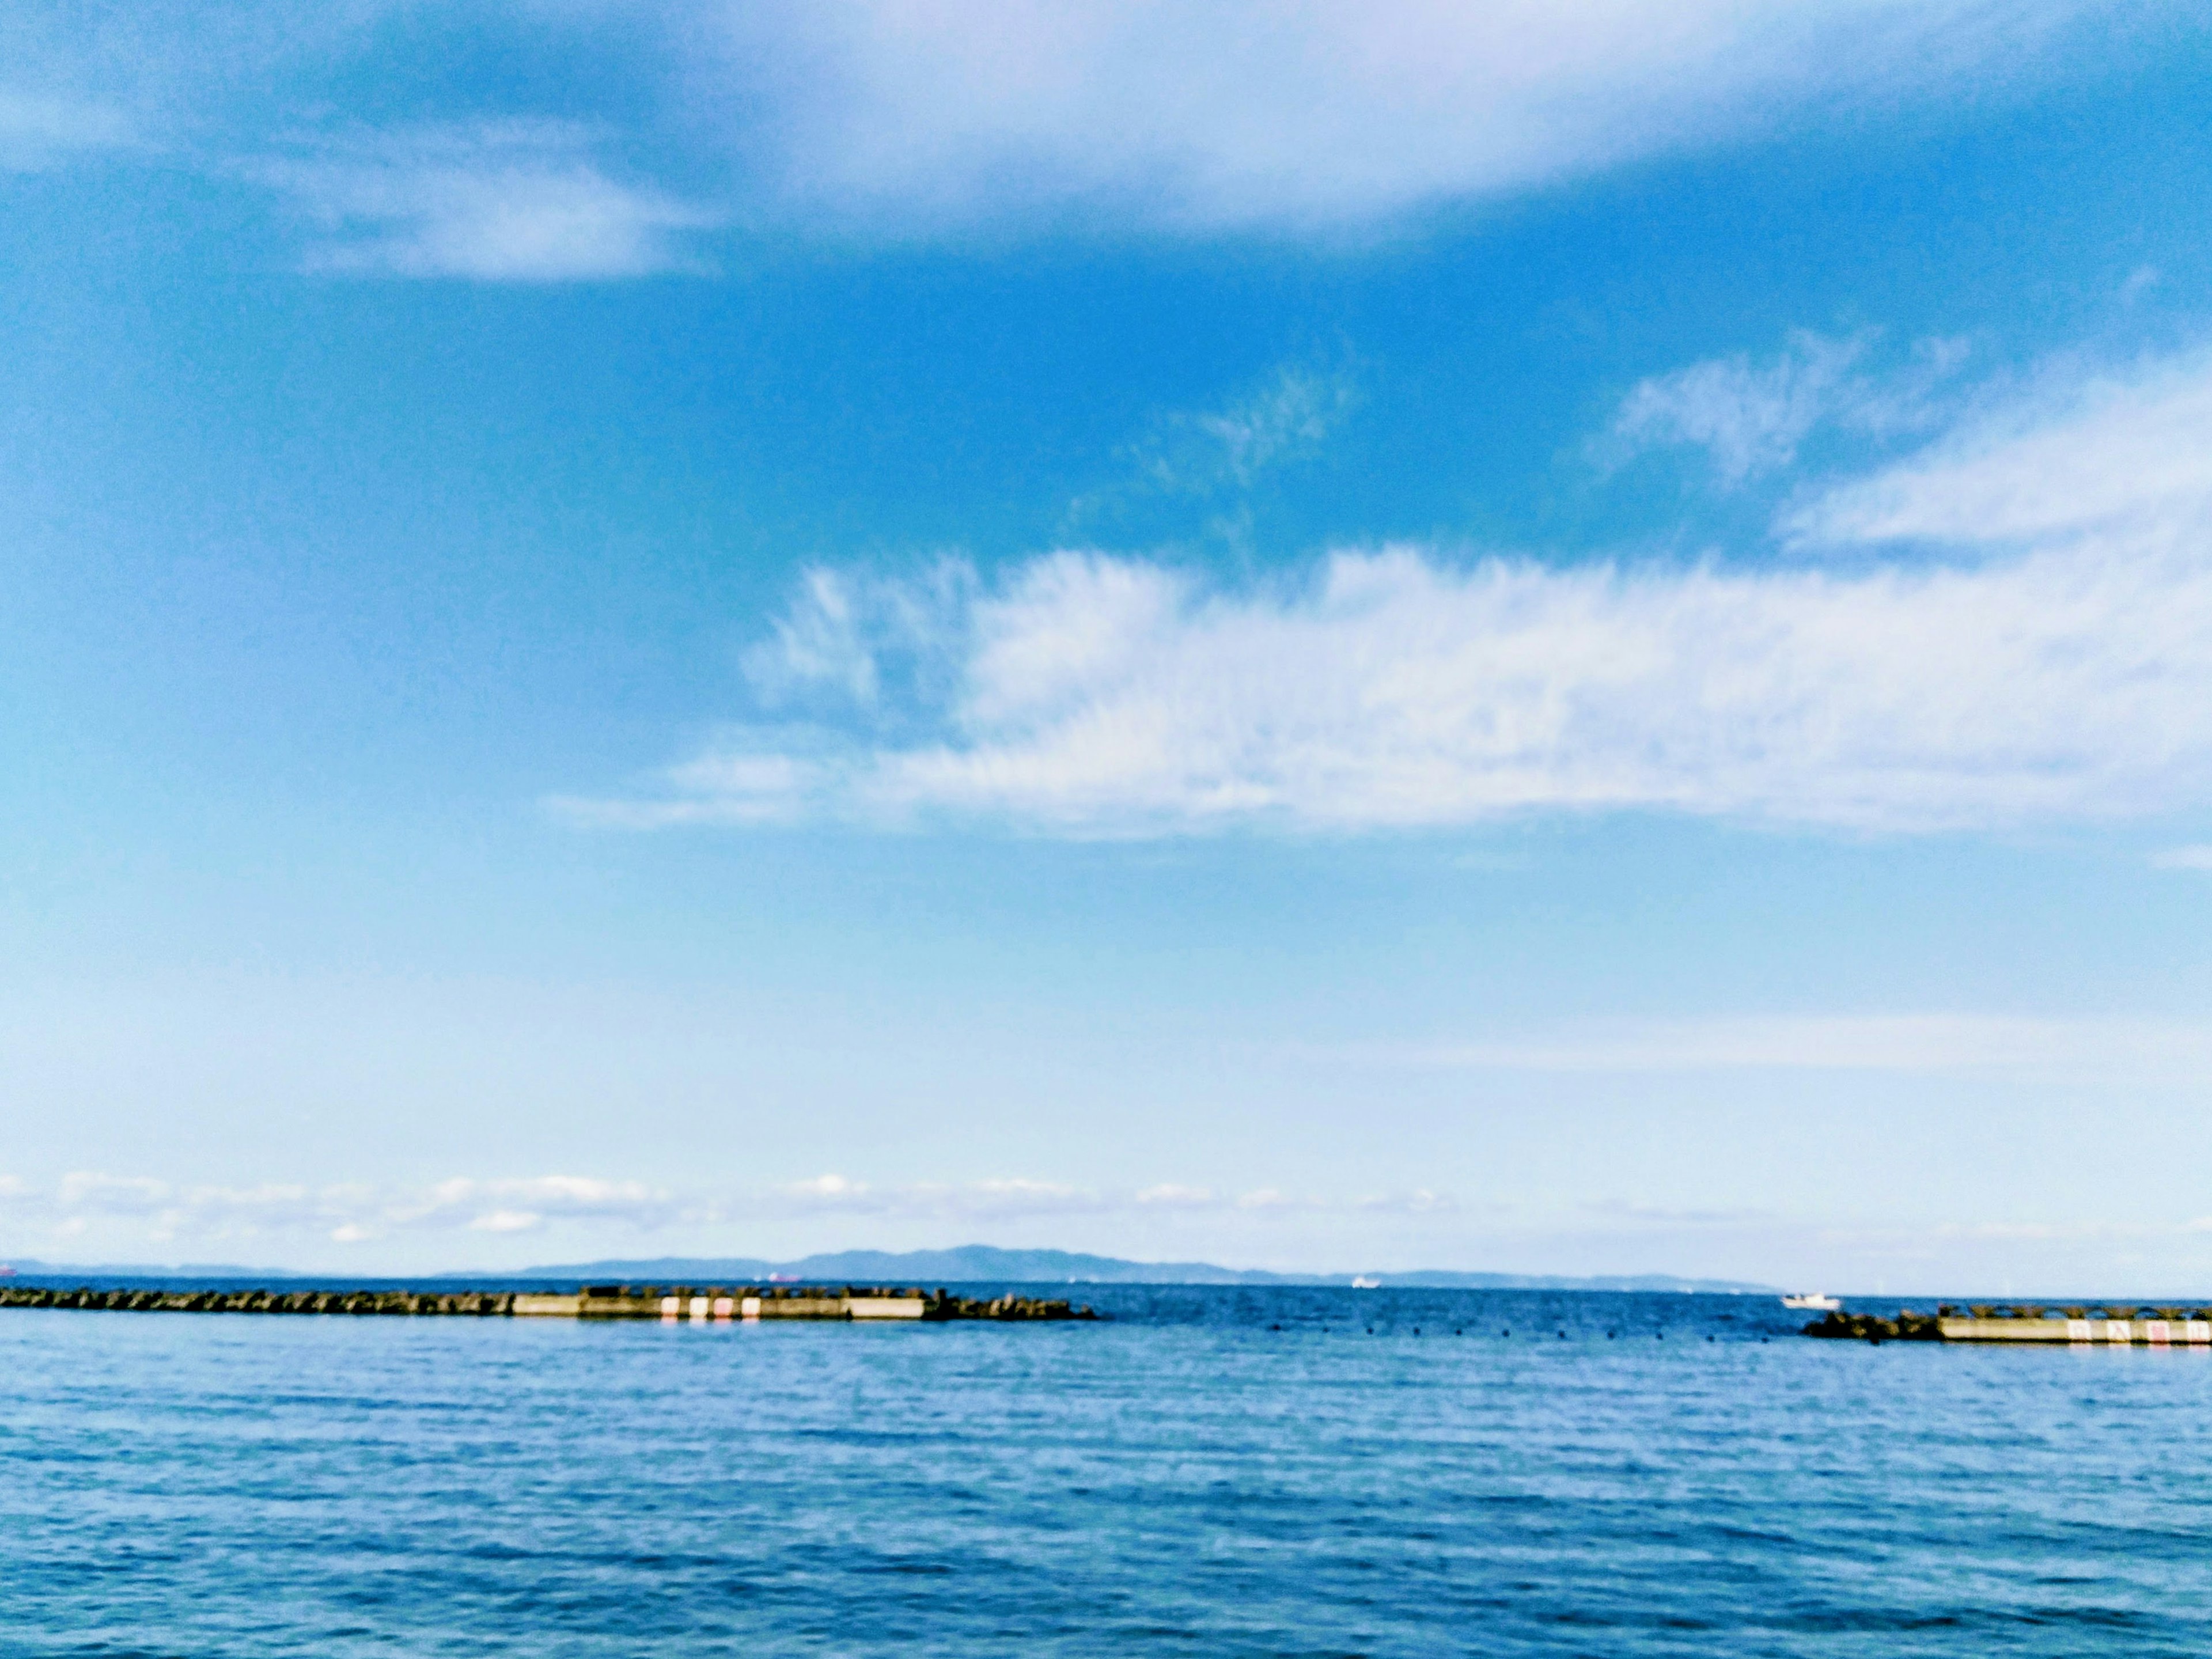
(1096, 695)
(152, 1210)
(2183, 858)
(1911, 1043)
(830, 1186)
(910, 115)
(1250, 114)
(118, 1217)
(40, 130)
(861, 636)
(2057, 664)
(509, 202)
(506, 1221)
(1218, 457)
(348, 1213)
(1285, 419)
(2108, 450)
(1288, 416)
(1751, 416)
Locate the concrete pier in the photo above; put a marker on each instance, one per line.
(2080, 1325)
(699, 1304)
(2190, 1327)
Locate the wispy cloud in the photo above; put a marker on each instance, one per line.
(41, 130)
(1752, 415)
(1219, 460)
(163, 1212)
(1106, 697)
(899, 117)
(1250, 115)
(500, 202)
(1283, 420)
(2183, 858)
(1904, 1043)
(345, 1212)
(2108, 451)
(863, 638)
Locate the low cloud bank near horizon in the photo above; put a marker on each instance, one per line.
(1423, 1231)
(357, 1213)
(2100, 1049)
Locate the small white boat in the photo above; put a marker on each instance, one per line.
(1364, 1283)
(1812, 1301)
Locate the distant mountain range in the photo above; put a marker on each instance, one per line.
(965, 1264)
(986, 1263)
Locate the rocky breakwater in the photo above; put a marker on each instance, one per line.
(480, 1303)
(1016, 1307)
(1907, 1326)
(693, 1303)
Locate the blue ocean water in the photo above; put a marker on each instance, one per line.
(1212, 1471)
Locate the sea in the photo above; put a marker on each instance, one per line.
(1205, 1471)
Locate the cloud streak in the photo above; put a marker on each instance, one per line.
(2112, 452)
(502, 202)
(1945, 1044)
(40, 130)
(1752, 417)
(1245, 115)
(345, 1212)
(161, 1211)
(1104, 697)
(897, 117)
(1285, 420)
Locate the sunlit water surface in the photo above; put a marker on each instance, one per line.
(1217, 1471)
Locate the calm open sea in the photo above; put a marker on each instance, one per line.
(1216, 1471)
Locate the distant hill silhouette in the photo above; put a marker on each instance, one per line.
(986, 1263)
(964, 1264)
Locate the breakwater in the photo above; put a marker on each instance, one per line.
(2082, 1324)
(695, 1303)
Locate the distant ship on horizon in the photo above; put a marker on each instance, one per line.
(1812, 1301)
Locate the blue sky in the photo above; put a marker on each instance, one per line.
(1318, 640)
